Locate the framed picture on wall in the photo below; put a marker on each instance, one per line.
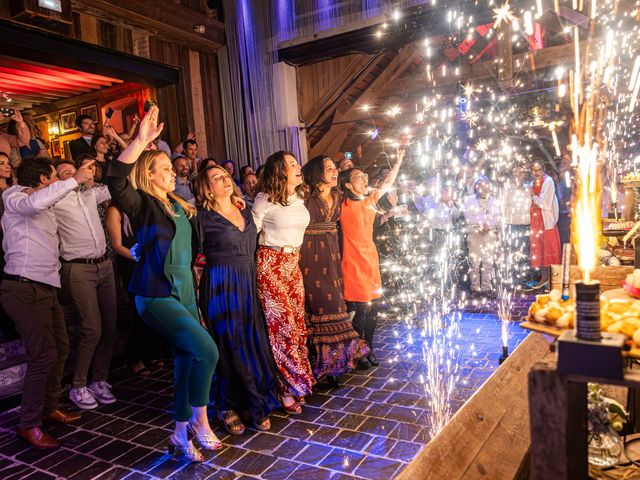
(67, 121)
(55, 147)
(92, 111)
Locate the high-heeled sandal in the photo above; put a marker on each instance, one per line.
(232, 422)
(263, 425)
(293, 409)
(208, 441)
(189, 452)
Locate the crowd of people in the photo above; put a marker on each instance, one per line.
(263, 283)
(277, 303)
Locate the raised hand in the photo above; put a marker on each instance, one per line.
(17, 116)
(149, 127)
(85, 172)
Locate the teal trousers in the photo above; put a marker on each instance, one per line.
(195, 354)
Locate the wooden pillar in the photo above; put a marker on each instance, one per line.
(505, 55)
(197, 103)
(558, 411)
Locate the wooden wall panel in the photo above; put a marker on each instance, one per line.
(214, 121)
(314, 80)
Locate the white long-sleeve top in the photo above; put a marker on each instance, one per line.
(280, 226)
(79, 227)
(31, 245)
(481, 212)
(548, 203)
(516, 204)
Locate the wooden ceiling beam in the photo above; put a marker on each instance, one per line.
(348, 112)
(316, 113)
(169, 19)
(540, 59)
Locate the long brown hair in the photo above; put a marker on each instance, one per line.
(273, 179)
(140, 180)
(203, 190)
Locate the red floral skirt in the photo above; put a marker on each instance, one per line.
(545, 244)
(281, 293)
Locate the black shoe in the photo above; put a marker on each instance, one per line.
(363, 363)
(373, 360)
(333, 381)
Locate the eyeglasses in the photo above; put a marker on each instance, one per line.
(362, 175)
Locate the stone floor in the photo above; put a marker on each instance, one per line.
(369, 428)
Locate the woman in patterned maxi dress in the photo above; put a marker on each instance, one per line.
(281, 219)
(335, 345)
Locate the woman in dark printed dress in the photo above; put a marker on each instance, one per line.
(245, 383)
(335, 345)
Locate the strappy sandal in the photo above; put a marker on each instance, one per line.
(232, 422)
(294, 409)
(263, 425)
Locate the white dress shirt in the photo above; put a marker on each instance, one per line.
(516, 204)
(31, 233)
(280, 226)
(548, 203)
(481, 212)
(79, 227)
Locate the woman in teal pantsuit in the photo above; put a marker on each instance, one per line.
(162, 281)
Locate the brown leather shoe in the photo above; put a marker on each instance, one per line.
(37, 438)
(61, 416)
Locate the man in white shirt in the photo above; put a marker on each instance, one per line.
(516, 206)
(482, 213)
(87, 273)
(28, 292)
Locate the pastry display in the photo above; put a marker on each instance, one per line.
(616, 315)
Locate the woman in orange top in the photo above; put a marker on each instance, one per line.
(359, 255)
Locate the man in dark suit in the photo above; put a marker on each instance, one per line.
(83, 144)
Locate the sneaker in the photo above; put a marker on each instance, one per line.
(101, 391)
(83, 398)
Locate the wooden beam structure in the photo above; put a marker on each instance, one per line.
(174, 22)
(349, 111)
(540, 59)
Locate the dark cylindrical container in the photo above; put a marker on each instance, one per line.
(588, 311)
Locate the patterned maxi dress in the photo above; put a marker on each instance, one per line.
(335, 345)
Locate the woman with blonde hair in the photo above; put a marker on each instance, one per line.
(245, 386)
(168, 234)
(281, 218)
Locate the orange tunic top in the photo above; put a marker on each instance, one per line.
(360, 266)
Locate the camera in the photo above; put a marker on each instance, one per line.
(7, 112)
(109, 113)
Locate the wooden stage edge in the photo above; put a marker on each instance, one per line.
(489, 436)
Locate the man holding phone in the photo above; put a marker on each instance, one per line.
(81, 145)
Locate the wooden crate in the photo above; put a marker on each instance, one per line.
(609, 277)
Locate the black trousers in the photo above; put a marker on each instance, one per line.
(365, 319)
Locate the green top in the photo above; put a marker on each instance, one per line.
(180, 251)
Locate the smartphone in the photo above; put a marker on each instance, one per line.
(148, 104)
(109, 112)
(7, 112)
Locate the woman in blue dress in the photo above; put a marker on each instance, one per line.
(245, 384)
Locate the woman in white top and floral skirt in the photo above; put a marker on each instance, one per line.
(281, 217)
